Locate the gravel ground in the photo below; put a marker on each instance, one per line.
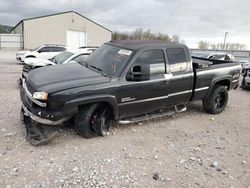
(192, 149)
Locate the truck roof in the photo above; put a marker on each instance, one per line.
(137, 44)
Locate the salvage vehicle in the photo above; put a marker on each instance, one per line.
(68, 56)
(218, 56)
(245, 84)
(46, 51)
(123, 81)
(245, 63)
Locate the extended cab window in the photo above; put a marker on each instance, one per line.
(177, 59)
(155, 59)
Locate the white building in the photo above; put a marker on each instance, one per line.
(67, 28)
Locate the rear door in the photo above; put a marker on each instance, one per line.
(180, 75)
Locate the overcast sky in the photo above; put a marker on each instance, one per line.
(192, 20)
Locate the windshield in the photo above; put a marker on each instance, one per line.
(109, 59)
(60, 58)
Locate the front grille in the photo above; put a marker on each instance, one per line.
(26, 68)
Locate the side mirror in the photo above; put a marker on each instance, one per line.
(139, 73)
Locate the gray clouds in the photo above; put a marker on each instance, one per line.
(189, 19)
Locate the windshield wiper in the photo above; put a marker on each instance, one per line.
(99, 70)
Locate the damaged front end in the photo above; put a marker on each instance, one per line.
(40, 122)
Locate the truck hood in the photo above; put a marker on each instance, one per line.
(38, 62)
(22, 52)
(61, 77)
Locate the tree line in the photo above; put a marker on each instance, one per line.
(220, 46)
(140, 34)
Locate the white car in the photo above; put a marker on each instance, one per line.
(245, 63)
(62, 58)
(42, 52)
(218, 56)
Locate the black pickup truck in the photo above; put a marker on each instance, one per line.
(123, 81)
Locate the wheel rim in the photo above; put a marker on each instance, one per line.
(100, 121)
(220, 100)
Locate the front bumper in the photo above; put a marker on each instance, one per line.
(19, 58)
(26, 112)
(41, 113)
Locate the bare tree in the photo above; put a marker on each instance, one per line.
(140, 34)
(203, 45)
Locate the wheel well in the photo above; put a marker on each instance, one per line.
(224, 83)
(30, 56)
(102, 103)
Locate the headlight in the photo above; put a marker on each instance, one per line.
(40, 95)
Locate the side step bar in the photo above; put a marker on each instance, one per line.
(166, 112)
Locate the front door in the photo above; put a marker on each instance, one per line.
(138, 97)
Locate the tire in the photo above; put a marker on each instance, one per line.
(216, 102)
(93, 120)
(82, 121)
(243, 84)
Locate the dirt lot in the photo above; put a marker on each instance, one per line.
(178, 151)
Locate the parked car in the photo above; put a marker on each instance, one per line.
(218, 56)
(61, 58)
(89, 49)
(245, 84)
(245, 63)
(43, 52)
(123, 81)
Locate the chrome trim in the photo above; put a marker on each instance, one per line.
(145, 100)
(28, 94)
(202, 88)
(180, 93)
(41, 120)
(157, 98)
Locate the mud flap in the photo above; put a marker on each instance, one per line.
(39, 134)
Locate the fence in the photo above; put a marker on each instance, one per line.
(11, 42)
(238, 54)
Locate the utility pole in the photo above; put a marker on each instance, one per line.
(225, 38)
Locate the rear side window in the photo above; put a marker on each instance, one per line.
(44, 49)
(57, 49)
(177, 59)
(155, 58)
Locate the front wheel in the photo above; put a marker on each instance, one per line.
(217, 100)
(93, 120)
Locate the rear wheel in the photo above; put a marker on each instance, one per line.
(216, 101)
(93, 120)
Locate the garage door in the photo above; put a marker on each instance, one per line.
(75, 39)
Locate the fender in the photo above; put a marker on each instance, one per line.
(226, 78)
(110, 99)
